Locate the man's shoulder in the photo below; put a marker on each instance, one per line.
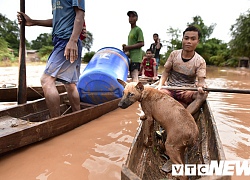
(137, 27)
(199, 57)
(176, 52)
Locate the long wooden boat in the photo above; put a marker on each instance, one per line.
(146, 163)
(29, 123)
(9, 94)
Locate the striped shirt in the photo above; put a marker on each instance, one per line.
(184, 73)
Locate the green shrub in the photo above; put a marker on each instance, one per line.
(233, 62)
(88, 56)
(217, 60)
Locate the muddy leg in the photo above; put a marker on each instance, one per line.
(73, 96)
(173, 153)
(51, 95)
(176, 155)
(134, 75)
(150, 127)
(198, 101)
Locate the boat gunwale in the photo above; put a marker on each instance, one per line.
(216, 133)
(33, 93)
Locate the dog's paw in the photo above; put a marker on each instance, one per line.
(143, 117)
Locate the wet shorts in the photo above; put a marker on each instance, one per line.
(134, 66)
(184, 97)
(60, 68)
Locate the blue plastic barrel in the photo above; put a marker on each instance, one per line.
(98, 81)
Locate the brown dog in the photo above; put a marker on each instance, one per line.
(179, 124)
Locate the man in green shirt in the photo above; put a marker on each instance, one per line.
(135, 42)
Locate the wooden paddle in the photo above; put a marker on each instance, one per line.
(22, 84)
(242, 91)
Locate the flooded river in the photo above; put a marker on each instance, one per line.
(97, 149)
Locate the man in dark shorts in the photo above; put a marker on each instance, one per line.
(182, 68)
(156, 47)
(65, 60)
(135, 42)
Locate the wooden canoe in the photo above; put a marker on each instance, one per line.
(29, 123)
(145, 80)
(146, 163)
(9, 94)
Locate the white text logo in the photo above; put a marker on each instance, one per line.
(223, 168)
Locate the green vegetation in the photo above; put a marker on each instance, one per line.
(240, 32)
(87, 57)
(42, 40)
(9, 31)
(215, 51)
(44, 52)
(4, 51)
(88, 41)
(10, 40)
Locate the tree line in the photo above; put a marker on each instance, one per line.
(10, 40)
(213, 50)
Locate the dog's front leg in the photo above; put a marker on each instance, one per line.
(150, 127)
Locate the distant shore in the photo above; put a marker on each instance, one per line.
(16, 63)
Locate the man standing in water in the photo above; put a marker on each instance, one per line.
(135, 42)
(65, 60)
(182, 68)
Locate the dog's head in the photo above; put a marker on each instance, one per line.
(132, 93)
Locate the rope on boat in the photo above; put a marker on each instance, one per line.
(36, 91)
(66, 111)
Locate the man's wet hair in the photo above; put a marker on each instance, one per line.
(155, 34)
(193, 28)
(149, 50)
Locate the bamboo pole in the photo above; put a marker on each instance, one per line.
(22, 86)
(241, 91)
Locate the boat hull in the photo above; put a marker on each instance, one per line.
(145, 163)
(29, 123)
(33, 93)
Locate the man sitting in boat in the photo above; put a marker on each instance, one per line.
(182, 68)
(148, 66)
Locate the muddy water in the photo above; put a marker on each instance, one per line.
(93, 151)
(232, 112)
(98, 149)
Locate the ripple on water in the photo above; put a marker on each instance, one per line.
(108, 158)
(231, 112)
(44, 176)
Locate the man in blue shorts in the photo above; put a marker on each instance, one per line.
(135, 42)
(65, 60)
